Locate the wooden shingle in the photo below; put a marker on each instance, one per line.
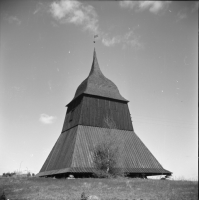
(97, 84)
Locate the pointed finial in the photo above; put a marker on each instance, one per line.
(95, 66)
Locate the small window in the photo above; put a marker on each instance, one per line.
(71, 115)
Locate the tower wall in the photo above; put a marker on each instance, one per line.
(73, 114)
(92, 110)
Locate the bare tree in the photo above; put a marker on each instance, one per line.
(107, 153)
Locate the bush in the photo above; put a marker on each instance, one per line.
(28, 174)
(8, 174)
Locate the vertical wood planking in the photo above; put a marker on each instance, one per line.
(92, 110)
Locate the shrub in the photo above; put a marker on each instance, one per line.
(28, 174)
(8, 174)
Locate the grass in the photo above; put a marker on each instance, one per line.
(33, 188)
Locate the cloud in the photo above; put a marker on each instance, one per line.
(152, 6)
(66, 11)
(181, 15)
(46, 119)
(37, 10)
(14, 19)
(128, 4)
(195, 7)
(108, 41)
(75, 12)
(41, 8)
(128, 39)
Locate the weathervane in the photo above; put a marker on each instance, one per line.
(95, 36)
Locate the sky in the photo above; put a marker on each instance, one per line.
(149, 49)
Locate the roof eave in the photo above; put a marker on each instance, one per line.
(91, 95)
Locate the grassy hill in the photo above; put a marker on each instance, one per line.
(107, 189)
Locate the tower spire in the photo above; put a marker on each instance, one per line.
(95, 66)
(97, 84)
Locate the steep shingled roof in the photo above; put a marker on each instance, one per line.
(97, 84)
(73, 152)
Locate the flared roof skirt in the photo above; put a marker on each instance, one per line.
(72, 153)
(97, 84)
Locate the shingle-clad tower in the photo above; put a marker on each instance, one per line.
(96, 98)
